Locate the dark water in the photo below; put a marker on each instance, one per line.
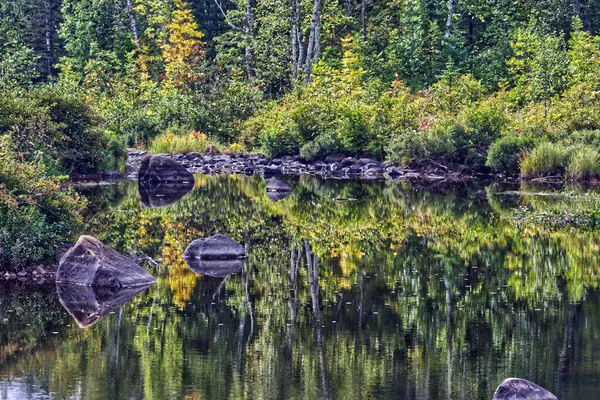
(405, 292)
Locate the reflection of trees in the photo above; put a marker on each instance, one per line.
(429, 289)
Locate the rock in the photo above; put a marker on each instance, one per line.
(155, 195)
(348, 161)
(158, 169)
(275, 185)
(394, 172)
(62, 250)
(91, 263)
(336, 157)
(111, 175)
(193, 156)
(40, 270)
(88, 305)
(211, 150)
(273, 170)
(217, 247)
(21, 273)
(521, 389)
(215, 268)
(355, 169)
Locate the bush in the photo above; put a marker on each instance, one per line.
(584, 164)
(543, 160)
(171, 143)
(504, 154)
(35, 215)
(62, 127)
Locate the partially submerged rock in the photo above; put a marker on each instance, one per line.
(275, 185)
(215, 268)
(163, 194)
(88, 305)
(217, 247)
(521, 389)
(91, 263)
(157, 168)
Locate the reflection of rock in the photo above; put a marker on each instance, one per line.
(276, 196)
(89, 305)
(91, 263)
(215, 268)
(277, 190)
(521, 389)
(217, 247)
(163, 194)
(163, 169)
(275, 185)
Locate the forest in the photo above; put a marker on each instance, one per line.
(503, 87)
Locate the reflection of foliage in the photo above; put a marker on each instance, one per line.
(416, 281)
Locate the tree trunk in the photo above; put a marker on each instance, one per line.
(249, 35)
(363, 18)
(48, 25)
(133, 24)
(449, 20)
(295, 43)
(315, 21)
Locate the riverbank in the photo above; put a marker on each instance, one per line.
(336, 166)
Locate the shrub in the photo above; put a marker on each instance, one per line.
(182, 144)
(584, 164)
(35, 215)
(63, 127)
(543, 160)
(504, 154)
(408, 145)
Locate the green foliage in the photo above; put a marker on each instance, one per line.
(584, 164)
(63, 127)
(176, 144)
(505, 153)
(35, 215)
(543, 160)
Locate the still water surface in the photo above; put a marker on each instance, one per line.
(405, 292)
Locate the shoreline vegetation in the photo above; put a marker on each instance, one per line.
(484, 89)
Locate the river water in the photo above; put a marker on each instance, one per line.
(397, 291)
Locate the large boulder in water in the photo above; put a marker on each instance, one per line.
(91, 263)
(156, 195)
(163, 169)
(217, 247)
(88, 305)
(215, 268)
(521, 389)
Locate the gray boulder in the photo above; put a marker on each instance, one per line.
(275, 185)
(88, 305)
(159, 168)
(521, 389)
(90, 263)
(336, 157)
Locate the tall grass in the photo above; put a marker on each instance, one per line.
(584, 164)
(171, 143)
(544, 160)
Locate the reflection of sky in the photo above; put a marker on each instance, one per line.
(19, 389)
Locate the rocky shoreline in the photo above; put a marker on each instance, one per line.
(336, 166)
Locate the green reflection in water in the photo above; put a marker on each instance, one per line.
(404, 293)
